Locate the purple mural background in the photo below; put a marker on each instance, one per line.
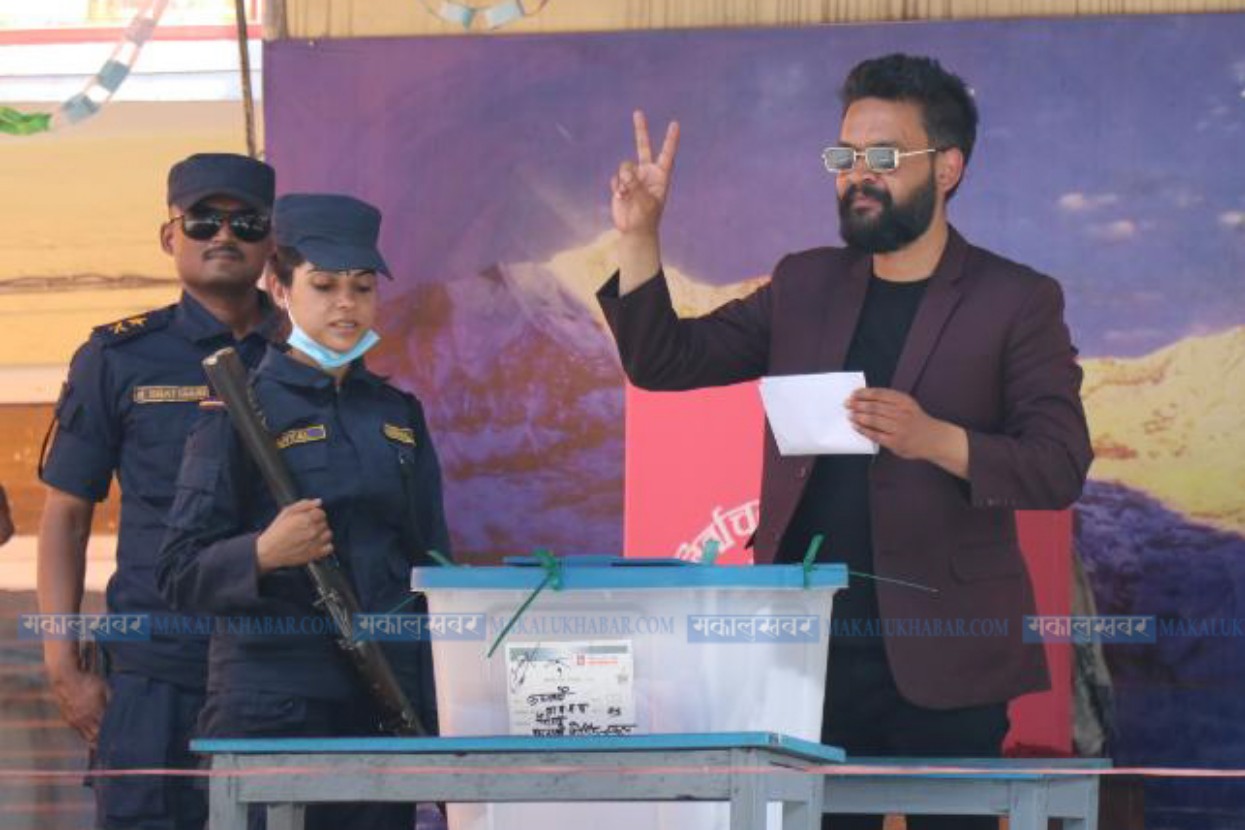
(1109, 156)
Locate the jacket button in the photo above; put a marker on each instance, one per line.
(802, 472)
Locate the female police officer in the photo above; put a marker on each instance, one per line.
(360, 453)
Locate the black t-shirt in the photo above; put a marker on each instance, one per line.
(836, 500)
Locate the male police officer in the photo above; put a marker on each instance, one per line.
(132, 394)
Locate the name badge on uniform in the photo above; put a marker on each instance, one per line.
(403, 435)
(302, 435)
(169, 394)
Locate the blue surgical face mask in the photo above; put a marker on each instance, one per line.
(328, 358)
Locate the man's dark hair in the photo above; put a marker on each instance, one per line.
(284, 260)
(948, 112)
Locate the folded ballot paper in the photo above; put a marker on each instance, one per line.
(808, 413)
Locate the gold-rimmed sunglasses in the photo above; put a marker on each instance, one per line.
(877, 159)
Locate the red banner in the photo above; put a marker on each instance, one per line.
(693, 471)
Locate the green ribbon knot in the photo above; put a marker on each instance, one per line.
(552, 566)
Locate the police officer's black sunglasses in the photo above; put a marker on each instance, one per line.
(203, 223)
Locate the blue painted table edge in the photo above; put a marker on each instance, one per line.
(794, 747)
(1005, 769)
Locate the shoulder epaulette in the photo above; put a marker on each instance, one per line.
(133, 326)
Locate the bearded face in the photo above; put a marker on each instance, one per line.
(870, 219)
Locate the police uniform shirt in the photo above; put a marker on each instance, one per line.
(133, 391)
(365, 451)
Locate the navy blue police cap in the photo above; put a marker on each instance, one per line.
(197, 177)
(334, 231)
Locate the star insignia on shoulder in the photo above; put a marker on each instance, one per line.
(128, 324)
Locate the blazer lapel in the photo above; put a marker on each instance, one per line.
(940, 300)
(845, 301)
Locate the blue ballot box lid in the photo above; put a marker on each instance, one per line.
(600, 560)
(617, 573)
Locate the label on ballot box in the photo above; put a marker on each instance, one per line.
(574, 688)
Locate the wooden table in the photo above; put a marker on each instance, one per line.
(987, 787)
(747, 769)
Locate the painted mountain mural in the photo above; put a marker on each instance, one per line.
(1170, 424)
(1161, 529)
(524, 394)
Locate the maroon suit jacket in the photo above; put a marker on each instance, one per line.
(989, 351)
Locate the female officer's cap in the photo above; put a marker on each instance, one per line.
(334, 231)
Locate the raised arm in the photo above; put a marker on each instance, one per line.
(639, 191)
(658, 350)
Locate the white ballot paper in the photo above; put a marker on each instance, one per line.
(578, 688)
(808, 413)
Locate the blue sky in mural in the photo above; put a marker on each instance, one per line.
(1110, 154)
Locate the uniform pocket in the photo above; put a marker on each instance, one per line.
(199, 474)
(134, 733)
(309, 457)
(409, 516)
(405, 457)
(68, 410)
(248, 714)
(193, 497)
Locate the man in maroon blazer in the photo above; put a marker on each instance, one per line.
(973, 399)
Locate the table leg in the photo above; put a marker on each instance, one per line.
(225, 811)
(1090, 821)
(747, 795)
(1028, 806)
(806, 815)
(285, 816)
